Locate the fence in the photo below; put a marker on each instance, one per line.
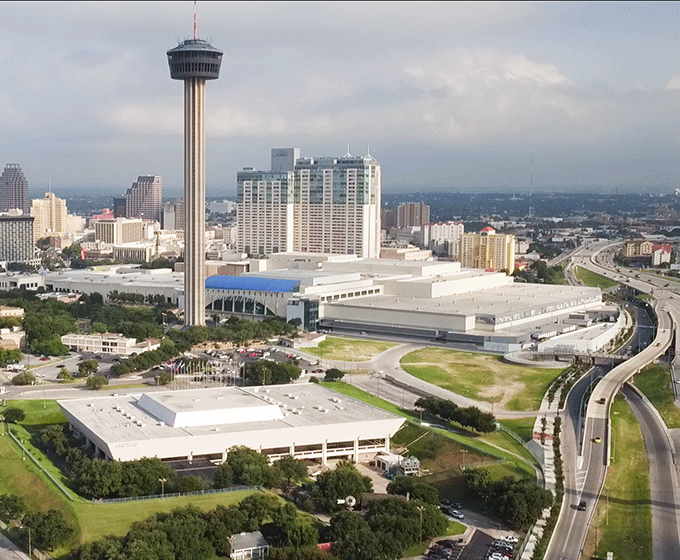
(176, 494)
(37, 463)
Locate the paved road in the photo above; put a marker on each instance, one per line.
(9, 551)
(662, 476)
(588, 474)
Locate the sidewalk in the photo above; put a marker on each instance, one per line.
(10, 551)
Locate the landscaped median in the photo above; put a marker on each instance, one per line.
(593, 279)
(622, 523)
(656, 384)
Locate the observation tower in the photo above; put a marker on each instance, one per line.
(194, 61)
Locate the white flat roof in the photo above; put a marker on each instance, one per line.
(500, 301)
(144, 421)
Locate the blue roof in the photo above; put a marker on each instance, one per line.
(251, 283)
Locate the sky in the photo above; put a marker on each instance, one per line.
(446, 96)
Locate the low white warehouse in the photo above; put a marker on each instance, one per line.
(304, 420)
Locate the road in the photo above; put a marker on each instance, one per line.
(586, 472)
(662, 476)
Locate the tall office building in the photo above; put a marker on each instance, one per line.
(173, 215)
(144, 199)
(13, 189)
(442, 238)
(119, 207)
(194, 61)
(16, 239)
(411, 214)
(119, 230)
(322, 205)
(488, 250)
(50, 216)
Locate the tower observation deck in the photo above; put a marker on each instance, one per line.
(194, 61)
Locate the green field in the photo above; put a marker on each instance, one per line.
(623, 519)
(519, 463)
(593, 279)
(523, 427)
(655, 383)
(349, 349)
(481, 376)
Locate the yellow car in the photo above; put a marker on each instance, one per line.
(598, 439)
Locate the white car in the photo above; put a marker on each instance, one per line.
(510, 539)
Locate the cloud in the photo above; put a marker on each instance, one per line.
(674, 82)
(156, 118)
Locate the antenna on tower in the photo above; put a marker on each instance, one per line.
(194, 20)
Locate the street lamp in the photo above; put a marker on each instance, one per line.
(162, 481)
(420, 509)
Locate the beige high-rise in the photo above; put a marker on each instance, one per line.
(488, 250)
(50, 216)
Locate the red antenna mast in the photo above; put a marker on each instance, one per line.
(194, 20)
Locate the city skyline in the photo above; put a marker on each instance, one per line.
(448, 96)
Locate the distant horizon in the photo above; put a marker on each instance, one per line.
(216, 192)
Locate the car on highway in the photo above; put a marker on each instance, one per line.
(598, 439)
(581, 505)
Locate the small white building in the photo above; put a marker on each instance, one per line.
(108, 343)
(247, 546)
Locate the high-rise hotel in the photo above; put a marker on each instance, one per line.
(317, 205)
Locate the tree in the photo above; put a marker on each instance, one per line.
(99, 479)
(344, 480)
(416, 489)
(64, 374)
(223, 477)
(334, 374)
(11, 507)
(48, 530)
(290, 469)
(24, 378)
(87, 367)
(189, 484)
(353, 538)
(250, 467)
(96, 382)
(14, 415)
(257, 508)
(164, 378)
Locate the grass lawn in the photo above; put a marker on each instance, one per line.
(593, 279)
(481, 376)
(523, 427)
(627, 530)
(99, 520)
(473, 443)
(350, 349)
(655, 383)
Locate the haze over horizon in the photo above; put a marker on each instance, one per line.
(449, 96)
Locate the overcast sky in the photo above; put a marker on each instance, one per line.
(449, 96)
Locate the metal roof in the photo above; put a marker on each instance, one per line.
(252, 283)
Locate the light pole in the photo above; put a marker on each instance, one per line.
(162, 481)
(420, 510)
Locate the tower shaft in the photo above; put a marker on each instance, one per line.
(194, 201)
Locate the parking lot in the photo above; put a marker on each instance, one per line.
(474, 545)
